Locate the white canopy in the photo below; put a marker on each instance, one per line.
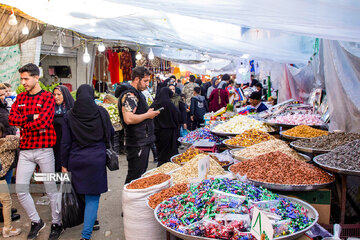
(280, 30)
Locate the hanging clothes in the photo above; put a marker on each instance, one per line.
(114, 66)
(121, 77)
(126, 65)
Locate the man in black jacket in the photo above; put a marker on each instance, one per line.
(136, 118)
(198, 108)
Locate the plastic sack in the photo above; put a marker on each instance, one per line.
(282, 228)
(72, 208)
(136, 211)
(183, 132)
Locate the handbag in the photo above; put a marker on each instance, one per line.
(112, 159)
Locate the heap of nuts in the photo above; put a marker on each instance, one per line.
(192, 152)
(147, 182)
(249, 137)
(327, 142)
(165, 168)
(305, 131)
(157, 198)
(279, 168)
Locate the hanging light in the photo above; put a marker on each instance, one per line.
(151, 54)
(12, 18)
(101, 47)
(60, 49)
(138, 56)
(86, 57)
(25, 30)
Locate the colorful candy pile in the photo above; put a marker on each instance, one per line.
(305, 131)
(249, 137)
(298, 119)
(240, 124)
(220, 208)
(198, 134)
(279, 168)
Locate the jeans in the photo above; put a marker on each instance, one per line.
(8, 176)
(90, 215)
(44, 157)
(138, 158)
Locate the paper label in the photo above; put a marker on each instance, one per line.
(261, 224)
(203, 167)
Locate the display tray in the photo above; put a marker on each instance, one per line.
(230, 146)
(278, 125)
(308, 150)
(172, 160)
(185, 143)
(291, 137)
(288, 187)
(232, 152)
(311, 213)
(336, 170)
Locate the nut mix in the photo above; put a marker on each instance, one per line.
(266, 147)
(239, 124)
(305, 131)
(157, 198)
(165, 168)
(146, 182)
(192, 152)
(249, 137)
(328, 142)
(344, 157)
(277, 167)
(190, 170)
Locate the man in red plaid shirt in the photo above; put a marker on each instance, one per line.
(33, 111)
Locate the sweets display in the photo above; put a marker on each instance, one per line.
(248, 138)
(266, 147)
(305, 131)
(190, 170)
(298, 119)
(146, 182)
(328, 142)
(165, 168)
(157, 198)
(221, 208)
(198, 134)
(344, 157)
(192, 152)
(277, 167)
(239, 124)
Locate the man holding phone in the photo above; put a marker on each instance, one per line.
(137, 119)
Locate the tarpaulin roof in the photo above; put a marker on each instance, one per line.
(280, 30)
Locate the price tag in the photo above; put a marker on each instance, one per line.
(203, 167)
(261, 226)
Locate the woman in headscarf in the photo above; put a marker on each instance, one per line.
(214, 83)
(63, 103)
(86, 131)
(166, 125)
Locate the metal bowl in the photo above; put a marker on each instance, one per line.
(336, 170)
(232, 152)
(308, 150)
(291, 137)
(287, 126)
(311, 212)
(230, 146)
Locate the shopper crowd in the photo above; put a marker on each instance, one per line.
(60, 134)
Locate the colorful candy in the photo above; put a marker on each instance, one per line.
(298, 119)
(197, 213)
(198, 134)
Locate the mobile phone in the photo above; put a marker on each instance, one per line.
(162, 108)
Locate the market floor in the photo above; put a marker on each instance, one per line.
(109, 215)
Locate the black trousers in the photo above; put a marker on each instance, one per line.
(138, 158)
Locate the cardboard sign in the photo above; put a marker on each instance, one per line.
(203, 167)
(261, 225)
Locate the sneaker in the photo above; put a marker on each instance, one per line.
(96, 226)
(35, 229)
(14, 217)
(56, 231)
(9, 232)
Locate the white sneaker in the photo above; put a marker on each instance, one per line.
(9, 232)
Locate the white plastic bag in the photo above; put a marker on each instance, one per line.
(139, 219)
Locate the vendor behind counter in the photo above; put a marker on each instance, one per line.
(255, 101)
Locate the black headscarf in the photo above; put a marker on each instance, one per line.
(85, 118)
(68, 102)
(170, 116)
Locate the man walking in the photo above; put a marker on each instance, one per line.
(33, 111)
(136, 118)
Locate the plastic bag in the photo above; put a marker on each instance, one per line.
(226, 202)
(282, 228)
(183, 132)
(72, 208)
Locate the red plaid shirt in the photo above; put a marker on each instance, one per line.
(38, 133)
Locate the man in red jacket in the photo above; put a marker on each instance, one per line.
(33, 111)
